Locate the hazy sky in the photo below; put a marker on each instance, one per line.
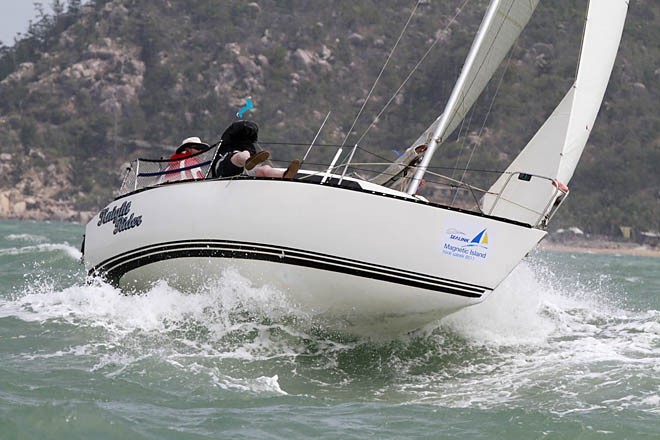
(14, 18)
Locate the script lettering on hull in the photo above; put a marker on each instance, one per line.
(122, 218)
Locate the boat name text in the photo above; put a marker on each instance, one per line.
(119, 216)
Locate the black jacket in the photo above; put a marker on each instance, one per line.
(239, 136)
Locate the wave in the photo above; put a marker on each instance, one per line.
(34, 238)
(227, 321)
(69, 250)
(536, 334)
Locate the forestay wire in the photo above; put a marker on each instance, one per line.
(490, 108)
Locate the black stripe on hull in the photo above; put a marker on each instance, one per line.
(113, 269)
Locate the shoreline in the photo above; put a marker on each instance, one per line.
(600, 247)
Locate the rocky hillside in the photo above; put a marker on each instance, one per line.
(96, 84)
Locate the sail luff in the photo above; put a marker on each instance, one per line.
(555, 149)
(500, 28)
(604, 17)
(450, 108)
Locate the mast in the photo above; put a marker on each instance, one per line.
(500, 28)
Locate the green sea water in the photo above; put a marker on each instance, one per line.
(567, 348)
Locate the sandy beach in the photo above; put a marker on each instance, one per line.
(600, 247)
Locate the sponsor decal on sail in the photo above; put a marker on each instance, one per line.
(464, 245)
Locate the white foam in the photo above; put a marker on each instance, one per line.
(533, 335)
(568, 341)
(258, 385)
(228, 321)
(71, 251)
(27, 237)
(102, 305)
(226, 306)
(512, 315)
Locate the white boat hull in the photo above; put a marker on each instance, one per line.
(351, 258)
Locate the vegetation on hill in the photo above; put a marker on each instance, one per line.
(100, 82)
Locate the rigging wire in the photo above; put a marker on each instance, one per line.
(481, 130)
(483, 126)
(389, 57)
(490, 108)
(299, 144)
(465, 125)
(456, 102)
(412, 72)
(387, 161)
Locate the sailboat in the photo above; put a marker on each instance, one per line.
(365, 254)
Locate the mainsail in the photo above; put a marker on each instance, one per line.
(500, 28)
(528, 188)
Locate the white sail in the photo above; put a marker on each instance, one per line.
(549, 159)
(602, 36)
(499, 30)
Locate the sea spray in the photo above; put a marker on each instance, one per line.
(511, 315)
